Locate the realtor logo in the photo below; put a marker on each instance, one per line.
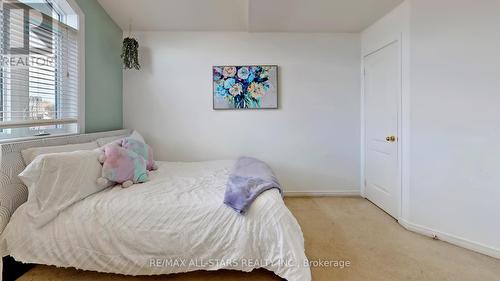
(28, 34)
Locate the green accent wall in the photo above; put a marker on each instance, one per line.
(103, 69)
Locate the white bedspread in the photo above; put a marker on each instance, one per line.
(174, 223)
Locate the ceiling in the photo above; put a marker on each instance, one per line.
(248, 15)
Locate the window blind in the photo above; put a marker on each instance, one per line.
(39, 69)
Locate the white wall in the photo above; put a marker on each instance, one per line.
(453, 162)
(455, 118)
(312, 141)
(394, 25)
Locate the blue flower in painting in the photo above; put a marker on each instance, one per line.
(254, 73)
(229, 83)
(220, 90)
(255, 69)
(251, 77)
(243, 73)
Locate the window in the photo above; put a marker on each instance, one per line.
(39, 68)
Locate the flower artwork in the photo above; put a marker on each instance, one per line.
(245, 87)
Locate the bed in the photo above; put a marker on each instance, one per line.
(174, 223)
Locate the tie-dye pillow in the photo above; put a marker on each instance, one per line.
(121, 165)
(142, 149)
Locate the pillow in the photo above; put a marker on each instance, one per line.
(142, 149)
(55, 181)
(136, 136)
(103, 141)
(31, 153)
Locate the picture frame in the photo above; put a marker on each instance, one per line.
(245, 87)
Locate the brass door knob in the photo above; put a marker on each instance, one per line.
(391, 138)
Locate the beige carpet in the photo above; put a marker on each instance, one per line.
(350, 229)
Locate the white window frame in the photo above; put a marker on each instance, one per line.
(81, 65)
(81, 83)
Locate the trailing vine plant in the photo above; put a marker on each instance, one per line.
(130, 53)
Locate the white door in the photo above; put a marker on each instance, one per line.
(382, 92)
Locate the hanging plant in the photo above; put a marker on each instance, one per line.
(130, 53)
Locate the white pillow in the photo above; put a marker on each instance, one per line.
(56, 181)
(31, 153)
(103, 141)
(135, 135)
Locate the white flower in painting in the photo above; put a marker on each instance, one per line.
(256, 90)
(236, 89)
(243, 73)
(229, 71)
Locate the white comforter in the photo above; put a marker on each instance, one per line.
(174, 223)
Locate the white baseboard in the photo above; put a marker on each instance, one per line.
(452, 239)
(334, 193)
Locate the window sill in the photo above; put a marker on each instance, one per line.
(14, 140)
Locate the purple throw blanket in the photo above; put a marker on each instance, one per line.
(249, 178)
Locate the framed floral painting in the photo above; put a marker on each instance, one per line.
(245, 87)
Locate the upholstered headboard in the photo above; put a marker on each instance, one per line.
(13, 193)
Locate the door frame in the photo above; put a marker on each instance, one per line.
(403, 123)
